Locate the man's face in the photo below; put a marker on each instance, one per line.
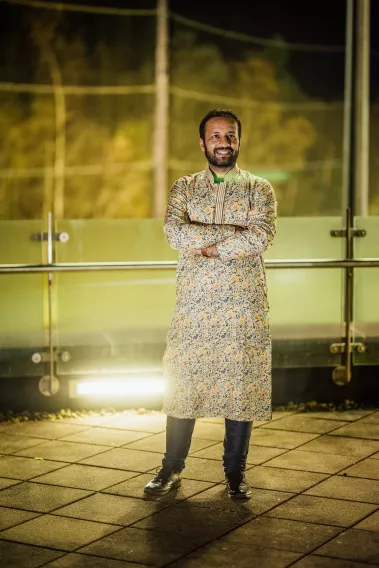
(221, 143)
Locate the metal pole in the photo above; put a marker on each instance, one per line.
(348, 97)
(342, 374)
(362, 100)
(172, 265)
(50, 297)
(161, 111)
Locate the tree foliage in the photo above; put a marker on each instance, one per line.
(105, 141)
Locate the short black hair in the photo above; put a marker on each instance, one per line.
(222, 113)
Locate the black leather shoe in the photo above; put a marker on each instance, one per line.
(236, 486)
(163, 482)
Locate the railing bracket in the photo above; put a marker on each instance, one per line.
(336, 348)
(342, 233)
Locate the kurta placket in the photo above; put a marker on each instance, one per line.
(218, 356)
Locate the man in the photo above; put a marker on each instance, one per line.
(218, 356)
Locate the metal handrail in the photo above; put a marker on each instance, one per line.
(171, 264)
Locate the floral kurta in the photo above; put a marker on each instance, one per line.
(218, 356)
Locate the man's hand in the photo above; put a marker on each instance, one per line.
(211, 251)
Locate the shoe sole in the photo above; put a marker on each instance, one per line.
(160, 493)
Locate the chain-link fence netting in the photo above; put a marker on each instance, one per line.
(76, 116)
(288, 137)
(78, 110)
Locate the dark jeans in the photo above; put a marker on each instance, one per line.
(178, 441)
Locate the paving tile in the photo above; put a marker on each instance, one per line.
(145, 547)
(4, 483)
(111, 509)
(11, 517)
(129, 460)
(282, 534)
(359, 430)
(314, 561)
(261, 454)
(375, 456)
(280, 439)
(202, 523)
(278, 414)
(371, 523)
(85, 477)
(4, 425)
(304, 423)
(311, 461)
(217, 420)
(134, 488)
(10, 443)
(38, 497)
(361, 546)
(282, 479)
(372, 418)
(217, 499)
(26, 468)
(153, 422)
(86, 561)
(45, 429)
(348, 488)
(209, 431)
(204, 470)
(56, 532)
(14, 555)
(342, 446)
(105, 437)
(257, 454)
(157, 443)
(92, 419)
(323, 510)
(63, 451)
(368, 468)
(343, 415)
(226, 555)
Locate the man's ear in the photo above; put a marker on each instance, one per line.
(202, 145)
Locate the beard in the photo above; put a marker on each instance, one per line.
(218, 161)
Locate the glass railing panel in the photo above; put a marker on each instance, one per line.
(23, 324)
(366, 293)
(114, 320)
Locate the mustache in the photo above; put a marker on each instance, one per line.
(225, 148)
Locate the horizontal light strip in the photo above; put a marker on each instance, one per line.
(122, 387)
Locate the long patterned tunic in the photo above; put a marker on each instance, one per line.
(218, 356)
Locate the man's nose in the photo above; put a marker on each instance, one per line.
(226, 139)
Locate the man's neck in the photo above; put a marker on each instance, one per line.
(220, 172)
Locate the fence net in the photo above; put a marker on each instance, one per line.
(77, 110)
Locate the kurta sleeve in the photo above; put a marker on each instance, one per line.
(181, 233)
(260, 230)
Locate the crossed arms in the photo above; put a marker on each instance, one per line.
(228, 242)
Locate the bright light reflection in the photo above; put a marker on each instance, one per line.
(135, 386)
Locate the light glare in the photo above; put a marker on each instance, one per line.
(135, 386)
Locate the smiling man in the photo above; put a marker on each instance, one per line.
(218, 357)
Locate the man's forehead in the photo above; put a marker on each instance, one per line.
(221, 123)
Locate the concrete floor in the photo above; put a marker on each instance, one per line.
(71, 494)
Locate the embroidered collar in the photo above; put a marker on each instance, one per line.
(231, 174)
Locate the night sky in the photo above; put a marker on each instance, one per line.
(320, 75)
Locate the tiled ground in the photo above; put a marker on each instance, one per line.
(71, 495)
